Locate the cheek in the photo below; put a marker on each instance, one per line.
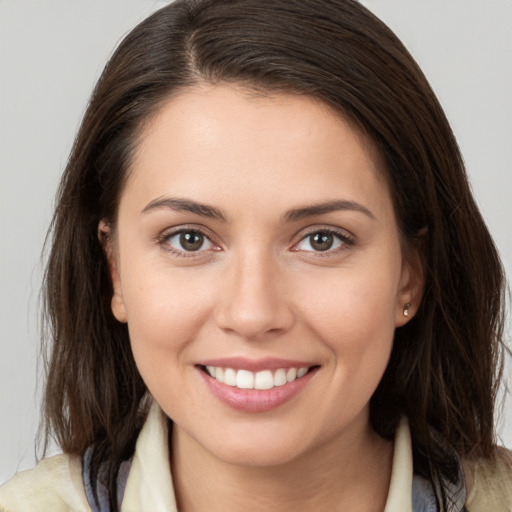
(352, 305)
(354, 317)
(164, 312)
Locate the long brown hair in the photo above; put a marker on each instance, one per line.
(445, 364)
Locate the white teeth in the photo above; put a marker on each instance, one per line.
(244, 379)
(280, 377)
(230, 377)
(302, 372)
(265, 379)
(291, 374)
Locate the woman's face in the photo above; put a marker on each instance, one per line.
(256, 241)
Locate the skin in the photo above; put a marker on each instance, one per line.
(259, 289)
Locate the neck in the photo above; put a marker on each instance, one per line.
(348, 473)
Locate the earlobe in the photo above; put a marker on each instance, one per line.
(118, 309)
(117, 303)
(411, 289)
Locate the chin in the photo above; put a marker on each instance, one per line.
(264, 455)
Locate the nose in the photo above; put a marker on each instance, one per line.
(253, 302)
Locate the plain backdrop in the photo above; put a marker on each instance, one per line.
(51, 53)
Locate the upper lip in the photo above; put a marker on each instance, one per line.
(255, 365)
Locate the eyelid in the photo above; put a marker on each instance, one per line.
(164, 236)
(345, 236)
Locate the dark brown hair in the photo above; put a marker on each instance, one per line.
(445, 364)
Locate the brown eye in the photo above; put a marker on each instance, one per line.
(321, 241)
(189, 241)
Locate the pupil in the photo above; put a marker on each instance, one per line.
(321, 241)
(191, 241)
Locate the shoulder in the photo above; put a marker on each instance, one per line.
(55, 485)
(489, 483)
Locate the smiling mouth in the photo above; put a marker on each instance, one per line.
(261, 380)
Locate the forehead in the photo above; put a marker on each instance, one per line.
(216, 141)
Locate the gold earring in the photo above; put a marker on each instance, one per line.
(406, 309)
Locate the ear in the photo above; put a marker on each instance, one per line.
(107, 242)
(412, 282)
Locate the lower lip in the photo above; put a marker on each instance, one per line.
(253, 400)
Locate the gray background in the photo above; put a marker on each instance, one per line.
(51, 53)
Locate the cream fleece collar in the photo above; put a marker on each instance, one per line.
(149, 484)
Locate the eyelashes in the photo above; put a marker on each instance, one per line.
(194, 241)
(187, 241)
(324, 241)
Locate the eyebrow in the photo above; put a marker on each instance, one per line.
(325, 207)
(185, 205)
(204, 210)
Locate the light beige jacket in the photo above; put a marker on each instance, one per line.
(56, 485)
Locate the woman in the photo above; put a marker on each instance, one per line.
(267, 269)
